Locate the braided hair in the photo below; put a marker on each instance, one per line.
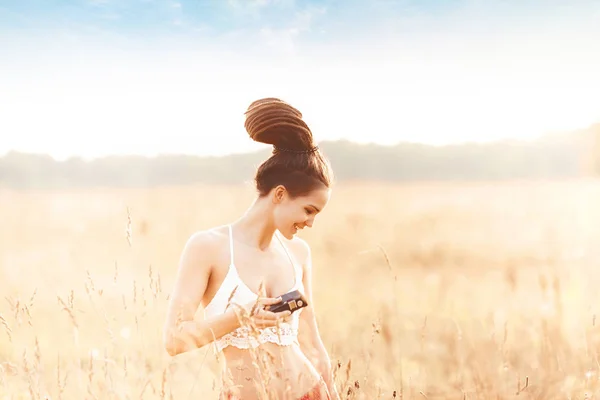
(296, 163)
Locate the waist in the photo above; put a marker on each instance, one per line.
(268, 371)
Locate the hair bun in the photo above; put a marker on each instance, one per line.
(273, 121)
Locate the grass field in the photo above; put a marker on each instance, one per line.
(431, 291)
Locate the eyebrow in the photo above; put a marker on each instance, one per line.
(315, 207)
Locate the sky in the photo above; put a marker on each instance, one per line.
(91, 78)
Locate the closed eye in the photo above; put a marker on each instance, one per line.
(311, 209)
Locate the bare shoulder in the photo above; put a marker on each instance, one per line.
(204, 245)
(206, 238)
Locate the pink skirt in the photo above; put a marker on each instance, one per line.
(313, 394)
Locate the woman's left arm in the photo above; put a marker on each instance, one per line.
(309, 338)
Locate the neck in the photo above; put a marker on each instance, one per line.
(256, 227)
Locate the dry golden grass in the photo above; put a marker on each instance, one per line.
(428, 291)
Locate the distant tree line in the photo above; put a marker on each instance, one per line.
(559, 156)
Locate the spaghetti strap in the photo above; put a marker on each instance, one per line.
(230, 246)
(297, 272)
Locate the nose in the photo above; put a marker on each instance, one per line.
(309, 223)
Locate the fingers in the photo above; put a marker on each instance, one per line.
(267, 318)
(267, 301)
(269, 315)
(261, 303)
(283, 315)
(267, 323)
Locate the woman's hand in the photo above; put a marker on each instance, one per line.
(260, 317)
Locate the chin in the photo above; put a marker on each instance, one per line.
(288, 234)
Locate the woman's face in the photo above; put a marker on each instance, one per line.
(293, 214)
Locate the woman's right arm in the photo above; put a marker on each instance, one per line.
(181, 331)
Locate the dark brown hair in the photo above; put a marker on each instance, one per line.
(296, 163)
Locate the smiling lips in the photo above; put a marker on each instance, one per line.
(297, 227)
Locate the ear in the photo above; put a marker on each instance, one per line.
(279, 193)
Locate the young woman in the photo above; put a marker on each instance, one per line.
(236, 271)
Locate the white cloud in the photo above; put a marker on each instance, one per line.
(257, 4)
(98, 97)
(284, 40)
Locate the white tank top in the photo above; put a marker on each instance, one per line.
(242, 337)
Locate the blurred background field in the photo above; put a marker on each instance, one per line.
(426, 290)
(458, 258)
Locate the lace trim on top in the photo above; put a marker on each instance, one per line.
(245, 338)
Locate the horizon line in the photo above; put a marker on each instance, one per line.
(492, 142)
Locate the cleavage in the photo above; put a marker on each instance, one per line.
(277, 272)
